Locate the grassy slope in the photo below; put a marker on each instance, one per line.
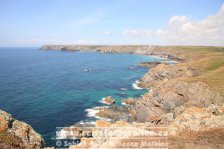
(209, 60)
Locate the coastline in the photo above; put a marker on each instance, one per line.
(174, 95)
(182, 100)
(126, 49)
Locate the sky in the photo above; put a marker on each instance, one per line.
(111, 22)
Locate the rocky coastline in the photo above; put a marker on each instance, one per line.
(161, 51)
(181, 106)
(189, 108)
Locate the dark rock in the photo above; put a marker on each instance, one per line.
(149, 64)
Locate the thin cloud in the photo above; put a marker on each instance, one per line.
(186, 31)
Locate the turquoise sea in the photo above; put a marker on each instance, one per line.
(49, 89)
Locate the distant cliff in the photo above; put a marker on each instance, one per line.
(162, 51)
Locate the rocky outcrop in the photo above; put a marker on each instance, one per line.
(149, 64)
(108, 100)
(169, 94)
(196, 119)
(23, 133)
(129, 101)
(173, 96)
(172, 101)
(116, 113)
(165, 72)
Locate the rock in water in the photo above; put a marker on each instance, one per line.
(108, 100)
(22, 134)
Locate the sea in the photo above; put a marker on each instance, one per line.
(50, 89)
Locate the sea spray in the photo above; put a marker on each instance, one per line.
(135, 85)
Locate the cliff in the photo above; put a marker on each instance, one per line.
(187, 97)
(206, 60)
(192, 111)
(162, 51)
(15, 134)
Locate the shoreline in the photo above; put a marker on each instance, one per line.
(177, 93)
(125, 49)
(172, 98)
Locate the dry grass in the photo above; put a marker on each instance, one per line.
(212, 138)
(208, 60)
(9, 142)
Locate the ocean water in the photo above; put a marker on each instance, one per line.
(49, 89)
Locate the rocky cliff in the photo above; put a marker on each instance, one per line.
(187, 98)
(162, 51)
(189, 110)
(17, 134)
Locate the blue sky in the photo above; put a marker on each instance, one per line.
(37, 22)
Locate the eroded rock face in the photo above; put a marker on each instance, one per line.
(173, 94)
(147, 107)
(165, 72)
(149, 64)
(20, 131)
(115, 113)
(196, 119)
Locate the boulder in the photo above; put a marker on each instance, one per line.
(108, 100)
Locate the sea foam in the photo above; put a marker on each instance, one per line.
(91, 112)
(135, 85)
(103, 102)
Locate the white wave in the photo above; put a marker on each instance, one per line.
(87, 69)
(87, 122)
(172, 62)
(123, 89)
(92, 112)
(123, 103)
(103, 101)
(135, 85)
